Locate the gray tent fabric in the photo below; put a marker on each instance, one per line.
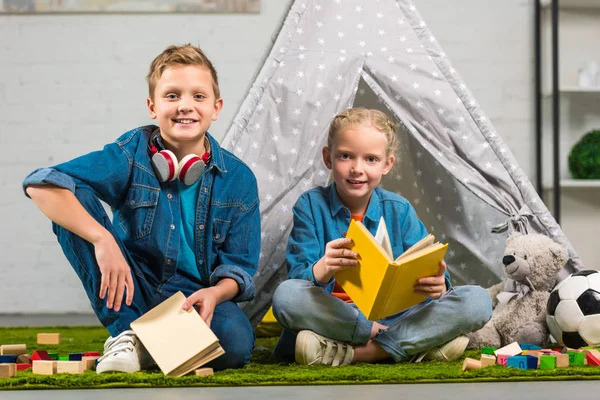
(453, 166)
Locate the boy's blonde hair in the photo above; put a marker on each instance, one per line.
(363, 116)
(180, 55)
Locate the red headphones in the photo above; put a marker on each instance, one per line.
(168, 168)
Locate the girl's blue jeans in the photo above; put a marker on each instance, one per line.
(300, 305)
(229, 322)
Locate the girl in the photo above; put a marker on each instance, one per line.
(315, 312)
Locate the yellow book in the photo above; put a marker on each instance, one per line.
(381, 286)
(178, 341)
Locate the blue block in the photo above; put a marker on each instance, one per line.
(75, 356)
(9, 359)
(527, 346)
(522, 362)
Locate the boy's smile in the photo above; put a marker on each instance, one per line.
(184, 106)
(358, 160)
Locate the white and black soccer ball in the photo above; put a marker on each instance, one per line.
(573, 311)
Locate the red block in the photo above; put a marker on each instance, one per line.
(592, 359)
(40, 355)
(91, 354)
(23, 366)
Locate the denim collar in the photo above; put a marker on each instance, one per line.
(373, 213)
(217, 154)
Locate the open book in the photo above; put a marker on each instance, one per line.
(379, 285)
(178, 341)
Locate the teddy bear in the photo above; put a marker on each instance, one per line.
(531, 263)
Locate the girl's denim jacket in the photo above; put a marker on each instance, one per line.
(146, 213)
(320, 217)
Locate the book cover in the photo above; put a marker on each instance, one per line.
(178, 341)
(381, 286)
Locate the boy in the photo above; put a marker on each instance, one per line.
(185, 217)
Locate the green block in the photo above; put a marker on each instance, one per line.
(576, 358)
(53, 356)
(63, 358)
(488, 350)
(547, 362)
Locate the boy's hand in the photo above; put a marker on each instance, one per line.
(116, 274)
(434, 286)
(205, 300)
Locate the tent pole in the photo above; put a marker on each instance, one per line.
(555, 111)
(538, 97)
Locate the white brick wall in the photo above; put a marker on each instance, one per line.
(70, 83)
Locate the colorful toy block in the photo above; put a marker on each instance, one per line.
(547, 362)
(91, 354)
(9, 359)
(48, 338)
(69, 367)
(488, 350)
(501, 359)
(40, 355)
(527, 346)
(593, 357)
(75, 356)
(6, 349)
(23, 366)
(8, 370)
(44, 367)
(576, 358)
(63, 358)
(512, 349)
(522, 362)
(204, 372)
(562, 360)
(53, 355)
(487, 360)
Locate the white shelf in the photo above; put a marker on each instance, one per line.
(576, 184)
(571, 4)
(574, 90)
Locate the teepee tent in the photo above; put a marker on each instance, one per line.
(453, 166)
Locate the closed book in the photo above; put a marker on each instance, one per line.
(179, 341)
(381, 286)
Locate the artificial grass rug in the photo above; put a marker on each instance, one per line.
(261, 371)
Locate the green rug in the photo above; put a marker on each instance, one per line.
(261, 371)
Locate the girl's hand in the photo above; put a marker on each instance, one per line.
(434, 286)
(205, 300)
(337, 257)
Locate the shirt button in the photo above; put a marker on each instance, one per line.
(217, 236)
(169, 196)
(201, 227)
(344, 234)
(345, 211)
(168, 261)
(172, 226)
(132, 202)
(205, 190)
(200, 262)
(294, 247)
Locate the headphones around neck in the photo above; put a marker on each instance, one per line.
(168, 168)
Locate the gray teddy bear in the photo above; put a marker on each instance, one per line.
(531, 263)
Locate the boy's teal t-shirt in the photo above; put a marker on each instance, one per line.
(188, 198)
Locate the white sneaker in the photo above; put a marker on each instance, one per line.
(124, 353)
(450, 351)
(312, 348)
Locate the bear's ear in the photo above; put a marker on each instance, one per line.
(513, 236)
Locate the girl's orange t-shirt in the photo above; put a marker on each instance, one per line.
(338, 291)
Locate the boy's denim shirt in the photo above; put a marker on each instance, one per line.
(320, 217)
(146, 213)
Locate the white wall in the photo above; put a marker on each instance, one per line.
(71, 83)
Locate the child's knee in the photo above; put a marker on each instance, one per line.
(477, 305)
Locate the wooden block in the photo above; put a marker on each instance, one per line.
(88, 362)
(535, 353)
(69, 367)
(510, 350)
(501, 359)
(562, 360)
(593, 357)
(204, 372)
(13, 349)
(527, 346)
(576, 358)
(8, 370)
(75, 356)
(23, 366)
(48, 338)
(488, 350)
(517, 362)
(40, 355)
(8, 359)
(547, 362)
(44, 367)
(63, 358)
(487, 360)
(23, 359)
(470, 364)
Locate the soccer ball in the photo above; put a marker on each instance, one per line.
(573, 312)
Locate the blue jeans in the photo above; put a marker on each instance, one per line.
(299, 304)
(229, 322)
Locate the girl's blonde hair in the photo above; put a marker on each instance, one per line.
(363, 116)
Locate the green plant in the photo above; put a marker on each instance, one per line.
(584, 158)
